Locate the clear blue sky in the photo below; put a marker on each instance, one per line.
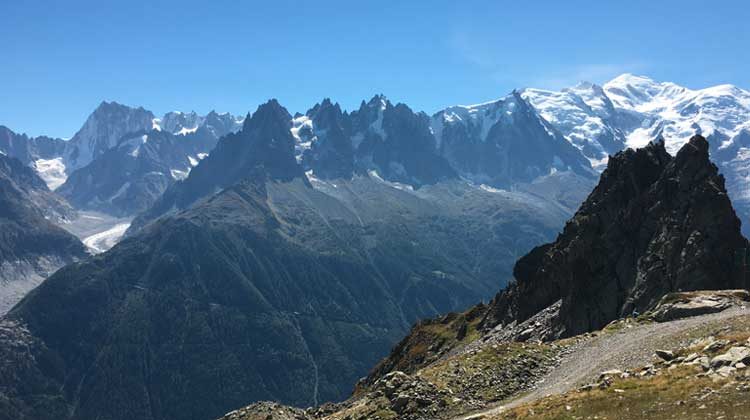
(59, 59)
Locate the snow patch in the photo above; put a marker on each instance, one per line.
(185, 131)
(397, 185)
(52, 171)
(179, 174)
(102, 241)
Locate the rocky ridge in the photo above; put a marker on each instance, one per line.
(32, 246)
(655, 224)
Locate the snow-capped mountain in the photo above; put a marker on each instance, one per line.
(501, 144)
(379, 137)
(528, 138)
(123, 157)
(55, 159)
(586, 116)
(719, 113)
(631, 111)
(129, 177)
(102, 130)
(182, 123)
(504, 142)
(44, 154)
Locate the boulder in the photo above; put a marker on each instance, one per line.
(687, 304)
(732, 357)
(725, 371)
(665, 355)
(692, 357)
(715, 345)
(613, 373)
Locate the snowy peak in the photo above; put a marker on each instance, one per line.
(584, 115)
(640, 93)
(102, 130)
(632, 111)
(379, 102)
(177, 122)
(677, 113)
(504, 142)
(324, 142)
(478, 118)
(183, 123)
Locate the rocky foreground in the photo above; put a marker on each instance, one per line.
(702, 348)
(703, 376)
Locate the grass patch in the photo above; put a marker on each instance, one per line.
(675, 394)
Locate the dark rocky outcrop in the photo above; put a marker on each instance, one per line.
(392, 140)
(265, 145)
(655, 224)
(331, 153)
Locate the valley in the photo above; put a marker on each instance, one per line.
(98, 231)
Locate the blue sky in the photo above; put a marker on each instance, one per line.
(61, 58)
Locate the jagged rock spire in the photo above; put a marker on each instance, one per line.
(654, 224)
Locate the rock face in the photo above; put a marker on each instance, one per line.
(103, 130)
(41, 153)
(31, 246)
(136, 157)
(655, 224)
(391, 140)
(29, 149)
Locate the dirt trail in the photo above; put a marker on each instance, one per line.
(625, 349)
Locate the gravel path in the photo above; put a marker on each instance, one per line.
(626, 349)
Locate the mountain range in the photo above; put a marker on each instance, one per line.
(631, 111)
(473, 141)
(280, 286)
(280, 256)
(122, 158)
